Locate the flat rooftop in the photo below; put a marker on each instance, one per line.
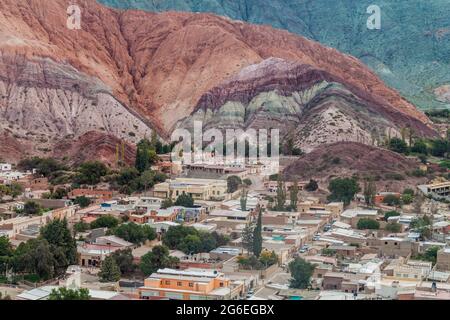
(351, 213)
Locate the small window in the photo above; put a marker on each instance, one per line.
(191, 285)
(386, 243)
(168, 283)
(179, 284)
(221, 284)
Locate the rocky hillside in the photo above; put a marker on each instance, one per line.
(411, 51)
(94, 145)
(311, 105)
(346, 159)
(128, 72)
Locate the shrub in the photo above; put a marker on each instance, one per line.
(393, 227)
(312, 186)
(391, 200)
(368, 224)
(398, 145)
(233, 182)
(389, 214)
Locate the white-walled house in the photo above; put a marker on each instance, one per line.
(4, 167)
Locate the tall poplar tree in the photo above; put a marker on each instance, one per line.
(257, 236)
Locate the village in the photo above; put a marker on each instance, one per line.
(166, 231)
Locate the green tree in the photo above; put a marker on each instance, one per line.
(247, 182)
(6, 253)
(312, 186)
(145, 155)
(191, 244)
(368, 224)
(82, 201)
(301, 273)
(43, 166)
(69, 294)
(135, 233)
(268, 258)
(422, 225)
(42, 259)
(124, 260)
(158, 258)
(407, 198)
(154, 140)
(81, 227)
(392, 200)
(294, 195)
(58, 235)
(398, 145)
(445, 164)
(280, 200)
(328, 252)
(439, 148)
(129, 181)
(91, 173)
(185, 200)
(233, 184)
(389, 214)
(107, 221)
(370, 191)
(420, 147)
(243, 201)
(34, 257)
(343, 189)
(247, 237)
(250, 263)
(191, 241)
(149, 233)
(175, 235)
(167, 203)
(257, 236)
(6, 248)
(146, 180)
(110, 271)
(15, 190)
(127, 176)
(429, 255)
(32, 208)
(220, 239)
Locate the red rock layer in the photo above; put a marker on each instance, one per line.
(95, 146)
(159, 65)
(10, 149)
